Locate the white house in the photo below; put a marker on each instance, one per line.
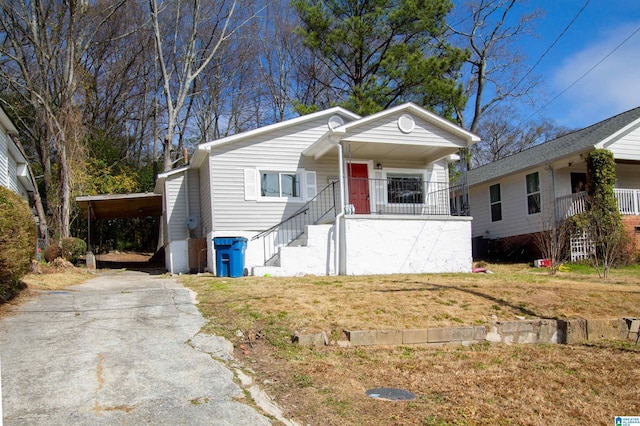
(14, 173)
(325, 193)
(519, 195)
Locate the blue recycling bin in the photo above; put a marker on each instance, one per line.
(230, 256)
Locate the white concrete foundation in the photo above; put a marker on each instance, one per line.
(176, 256)
(406, 245)
(380, 245)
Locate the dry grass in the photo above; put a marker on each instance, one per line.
(481, 384)
(49, 277)
(56, 280)
(420, 301)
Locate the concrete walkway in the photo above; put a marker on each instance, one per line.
(122, 348)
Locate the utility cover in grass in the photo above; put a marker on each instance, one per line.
(390, 394)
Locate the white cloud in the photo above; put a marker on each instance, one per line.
(612, 87)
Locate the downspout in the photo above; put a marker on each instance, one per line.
(554, 216)
(186, 198)
(340, 215)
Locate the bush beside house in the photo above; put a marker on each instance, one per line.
(17, 242)
(72, 248)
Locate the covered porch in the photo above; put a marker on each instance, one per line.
(390, 207)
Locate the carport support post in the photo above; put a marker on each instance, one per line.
(90, 258)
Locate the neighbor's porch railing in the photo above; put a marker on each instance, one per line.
(628, 201)
(569, 205)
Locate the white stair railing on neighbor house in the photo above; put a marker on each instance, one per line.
(570, 205)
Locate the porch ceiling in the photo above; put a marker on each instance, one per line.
(113, 206)
(399, 151)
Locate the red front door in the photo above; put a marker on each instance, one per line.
(359, 187)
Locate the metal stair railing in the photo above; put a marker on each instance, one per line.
(322, 206)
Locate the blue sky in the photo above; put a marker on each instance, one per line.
(613, 86)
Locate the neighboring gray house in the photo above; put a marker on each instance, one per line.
(14, 173)
(523, 193)
(325, 193)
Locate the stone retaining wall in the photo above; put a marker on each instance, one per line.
(570, 331)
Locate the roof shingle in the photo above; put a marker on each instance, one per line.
(572, 143)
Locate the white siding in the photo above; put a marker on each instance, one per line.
(4, 157)
(424, 133)
(562, 177)
(628, 175)
(627, 147)
(278, 151)
(515, 217)
(206, 223)
(13, 175)
(176, 208)
(194, 201)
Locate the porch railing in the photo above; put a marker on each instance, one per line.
(569, 205)
(406, 196)
(628, 201)
(320, 208)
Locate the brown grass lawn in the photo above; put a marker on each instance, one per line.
(490, 384)
(479, 384)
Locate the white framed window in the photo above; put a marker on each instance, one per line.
(495, 200)
(533, 193)
(279, 184)
(275, 185)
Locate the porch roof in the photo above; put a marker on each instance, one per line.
(396, 147)
(400, 150)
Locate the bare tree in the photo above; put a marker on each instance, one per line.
(489, 30)
(502, 135)
(184, 51)
(42, 45)
(120, 85)
(229, 95)
(553, 237)
(277, 50)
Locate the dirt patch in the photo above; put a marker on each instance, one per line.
(123, 257)
(480, 384)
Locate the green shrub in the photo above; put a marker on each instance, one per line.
(17, 242)
(72, 248)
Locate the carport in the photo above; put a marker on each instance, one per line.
(117, 206)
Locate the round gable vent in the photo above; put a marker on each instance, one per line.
(335, 121)
(406, 123)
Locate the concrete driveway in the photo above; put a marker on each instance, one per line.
(123, 348)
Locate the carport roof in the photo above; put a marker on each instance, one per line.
(112, 206)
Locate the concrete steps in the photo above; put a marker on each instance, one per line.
(311, 254)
